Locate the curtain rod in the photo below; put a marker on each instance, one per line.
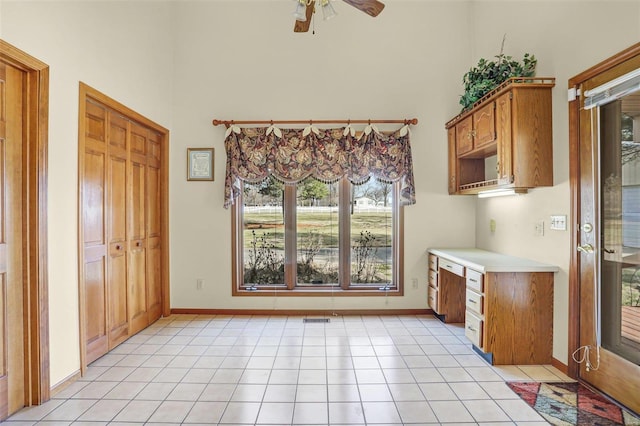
(227, 123)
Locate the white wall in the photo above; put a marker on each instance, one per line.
(119, 48)
(186, 63)
(241, 60)
(563, 38)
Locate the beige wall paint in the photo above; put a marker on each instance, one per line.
(240, 60)
(119, 48)
(564, 39)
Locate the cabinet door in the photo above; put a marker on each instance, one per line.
(453, 161)
(464, 136)
(484, 126)
(504, 142)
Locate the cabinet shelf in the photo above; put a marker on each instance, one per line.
(505, 140)
(485, 184)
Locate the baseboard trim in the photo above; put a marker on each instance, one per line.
(324, 312)
(65, 383)
(560, 366)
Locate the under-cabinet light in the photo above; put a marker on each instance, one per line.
(501, 192)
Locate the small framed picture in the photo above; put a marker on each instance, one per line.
(199, 163)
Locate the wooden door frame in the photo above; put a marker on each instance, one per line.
(37, 383)
(574, 183)
(87, 92)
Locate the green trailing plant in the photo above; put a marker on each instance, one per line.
(488, 75)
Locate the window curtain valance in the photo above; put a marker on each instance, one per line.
(292, 155)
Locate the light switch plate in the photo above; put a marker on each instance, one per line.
(558, 222)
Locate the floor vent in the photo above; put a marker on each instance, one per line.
(315, 319)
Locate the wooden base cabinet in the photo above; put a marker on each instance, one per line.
(445, 292)
(508, 316)
(518, 326)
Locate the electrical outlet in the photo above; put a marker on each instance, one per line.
(414, 282)
(199, 283)
(492, 225)
(539, 228)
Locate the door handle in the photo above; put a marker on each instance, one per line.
(585, 248)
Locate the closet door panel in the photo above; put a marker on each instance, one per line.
(154, 272)
(117, 230)
(137, 230)
(94, 273)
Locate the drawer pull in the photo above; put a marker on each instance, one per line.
(470, 328)
(473, 280)
(472, 301)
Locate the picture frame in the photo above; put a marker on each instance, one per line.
(200, 164)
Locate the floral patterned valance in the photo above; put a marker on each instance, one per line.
(292, 155)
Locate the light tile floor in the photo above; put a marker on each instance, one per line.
(277, 370)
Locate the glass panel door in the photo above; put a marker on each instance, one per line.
(620, 226)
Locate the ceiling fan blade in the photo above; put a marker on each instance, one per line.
(370, 7)
(303, 26)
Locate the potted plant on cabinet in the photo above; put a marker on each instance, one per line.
(488, 75)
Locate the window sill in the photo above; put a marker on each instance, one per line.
(302, 292)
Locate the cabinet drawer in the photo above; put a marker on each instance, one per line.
(432, 297)
(475, 280)
(433, 262)
(452, 267)
(433, 278)
(475, 302)
(473, 328)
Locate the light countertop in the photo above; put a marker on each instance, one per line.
(487, 261)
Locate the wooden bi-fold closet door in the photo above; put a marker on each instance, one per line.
(123, 223)
(12, 330)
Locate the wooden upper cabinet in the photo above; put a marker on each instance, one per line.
(453, 176)
(464, 136)
(504, 165)
(484, 125)
(476, 131)
(505, 141)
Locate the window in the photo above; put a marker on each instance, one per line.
(307, 235)
(318, 236)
